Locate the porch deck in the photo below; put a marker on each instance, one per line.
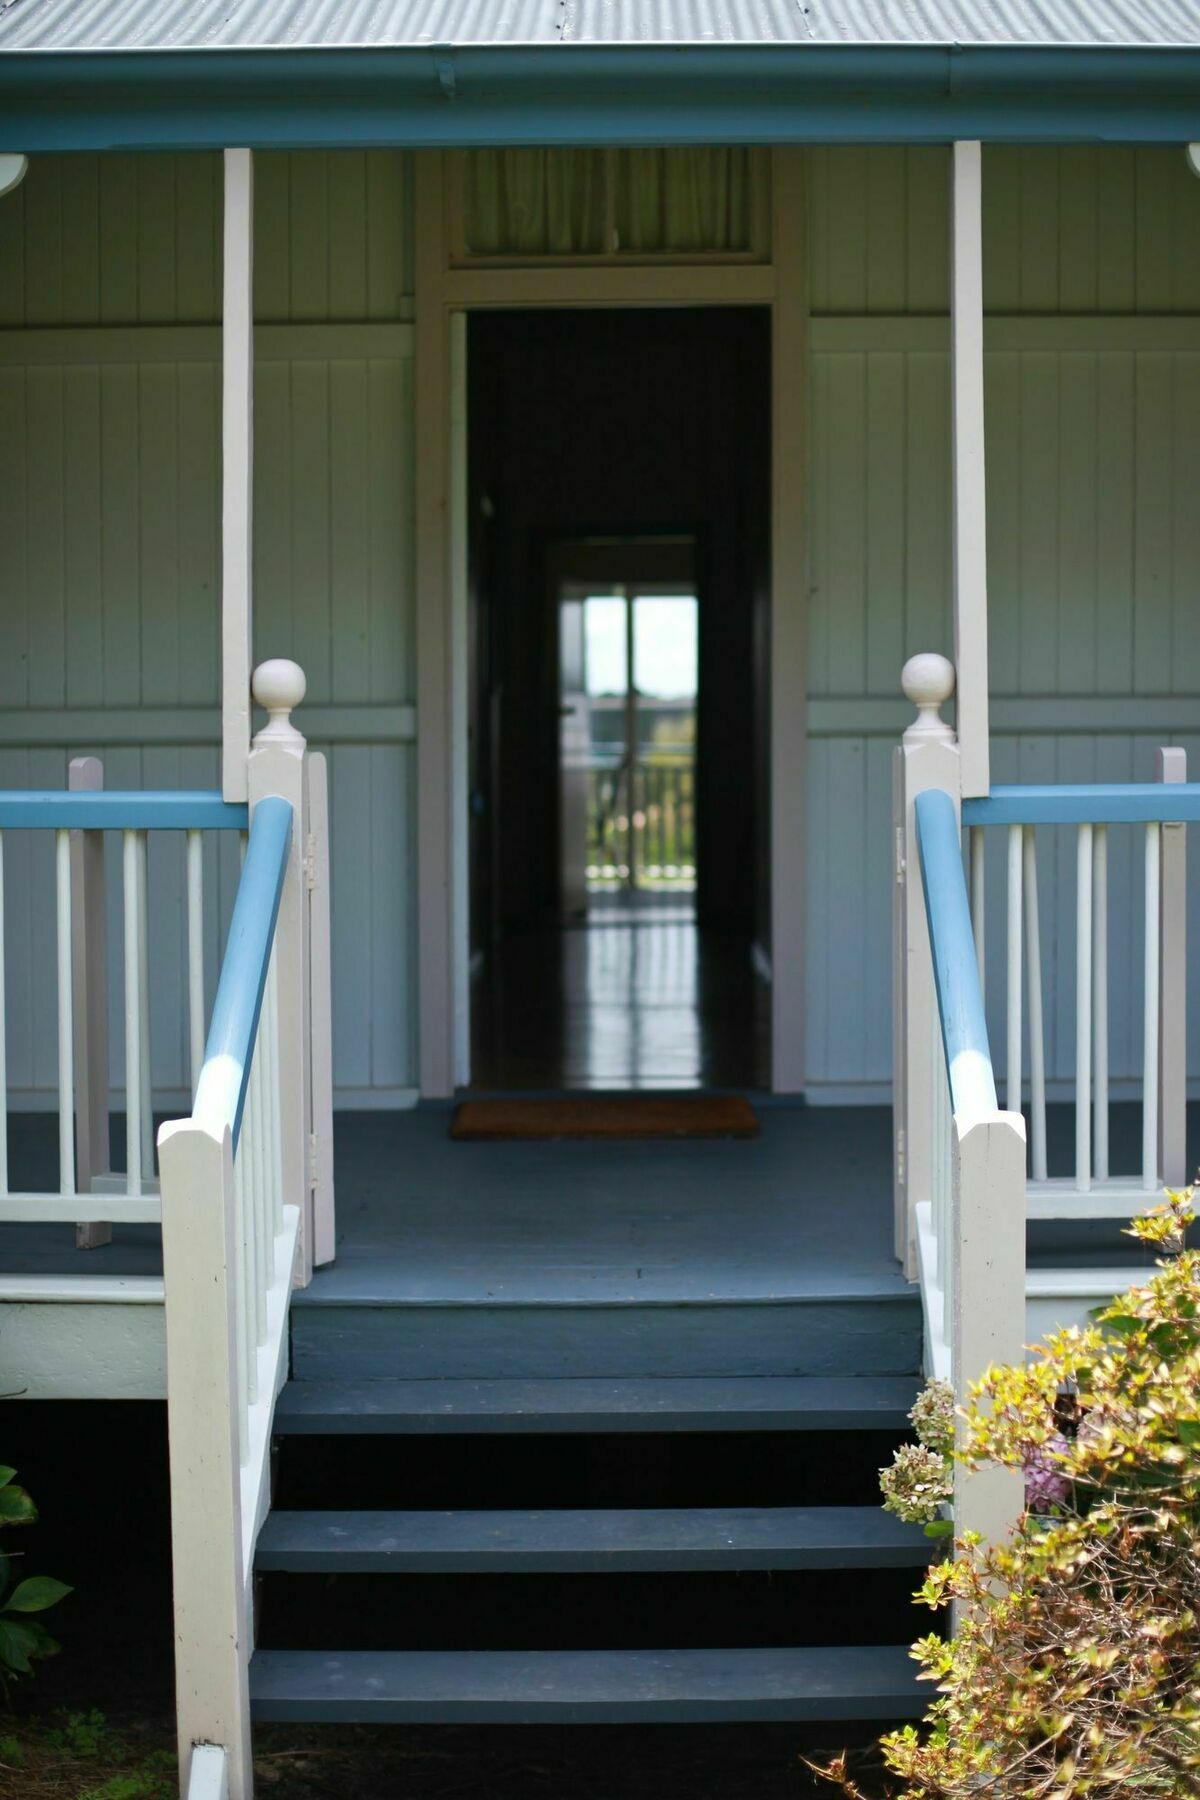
(803, 1210)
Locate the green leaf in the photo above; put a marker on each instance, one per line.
(940, 1528)
(1189, 1431)
(6, 1475)
(1122, 1323)
(16, 1508)
(20, 1643)
(35, 1594)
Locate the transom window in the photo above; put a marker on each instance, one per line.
(708, 203)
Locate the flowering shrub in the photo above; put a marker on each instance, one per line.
(1075, 1669)
(921, 1478)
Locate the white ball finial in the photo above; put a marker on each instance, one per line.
(278, 686)
(928, 681)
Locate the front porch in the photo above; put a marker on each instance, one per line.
(771, 1256)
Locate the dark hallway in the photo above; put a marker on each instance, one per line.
(618, 654)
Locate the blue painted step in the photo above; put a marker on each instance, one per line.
(531, 1687)
(874, 1332)
(805, 1537)
(678, 1403)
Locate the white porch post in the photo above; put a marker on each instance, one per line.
(237, 497)
(969, 506)
(927, 758)
(277, 765)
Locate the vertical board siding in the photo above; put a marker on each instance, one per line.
(1094, 553)
(136, 239)
(108, 566)
(109, 556)
(1071, 229)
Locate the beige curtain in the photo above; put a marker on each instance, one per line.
(553, 202)
(684, 200)
(534, 202)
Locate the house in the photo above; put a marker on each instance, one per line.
(347, 357)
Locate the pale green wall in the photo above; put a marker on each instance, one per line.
(110, 546)
(1093, 446)
(109, 534)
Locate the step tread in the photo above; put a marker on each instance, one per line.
(789, 1537)
(613, 1686)
(650, 1403)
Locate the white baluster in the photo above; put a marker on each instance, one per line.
(1037, 1039)
(276, 1131)
(1014, 967)
(3, 1040)
(1083, 1009)
(978, 902)
(195, 930)
(66, 1037)
(143, 919)
(249, 1244)
(133, 1015)
(1150, 1036)
(1100, 995)
(245, 1360)
(1170, 767)
(259, 1194)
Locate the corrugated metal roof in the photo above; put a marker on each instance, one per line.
(98, 25)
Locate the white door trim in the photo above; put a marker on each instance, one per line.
(442, 296)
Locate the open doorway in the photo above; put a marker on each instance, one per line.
(618, 599)
(629, 680)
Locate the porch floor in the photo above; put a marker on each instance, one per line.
(803, 1210)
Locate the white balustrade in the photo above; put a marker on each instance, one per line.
(88, 1191)
(237, 1230)
(1094, 1189)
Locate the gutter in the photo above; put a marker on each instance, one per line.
(440, 96)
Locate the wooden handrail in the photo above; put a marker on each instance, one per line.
(955, 967)
(1088, 803)
(228, 1053)
(113, 809)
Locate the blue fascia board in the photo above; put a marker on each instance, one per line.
(952, 948)
(1099, 803)
(116, 810)
(228, 1053)
(595, 94)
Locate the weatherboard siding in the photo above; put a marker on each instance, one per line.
(110, 550)
(109, 534)
(1092, 278)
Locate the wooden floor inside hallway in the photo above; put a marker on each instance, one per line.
(636, 995)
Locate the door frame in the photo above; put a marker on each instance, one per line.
(444, 294)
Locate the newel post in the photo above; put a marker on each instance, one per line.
(987, 1324)
(278, 765)
(927, 758)
(212, 1606)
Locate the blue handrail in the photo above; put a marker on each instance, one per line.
(110, 809)
(221, 1089)
(952, 944)
(1098, 803)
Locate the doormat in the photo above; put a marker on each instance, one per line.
(619, 1116)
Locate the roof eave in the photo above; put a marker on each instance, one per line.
(431, 96)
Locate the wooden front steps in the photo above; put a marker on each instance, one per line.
(576, 1687)
(556, 1606)
(592, 1404)
(614, 1541)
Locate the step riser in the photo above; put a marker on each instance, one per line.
(824, 1709)
(331, 1343)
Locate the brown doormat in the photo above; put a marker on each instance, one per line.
(688, 1116)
